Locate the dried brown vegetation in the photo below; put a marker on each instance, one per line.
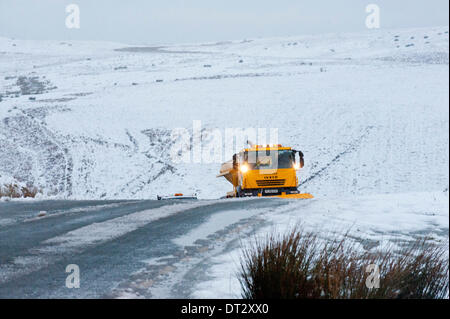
(16, 191)
(299, 265)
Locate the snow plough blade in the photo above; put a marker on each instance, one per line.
(177, 196)
(301, 196)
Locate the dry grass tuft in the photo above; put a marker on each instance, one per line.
(16, 191)
(299, 265)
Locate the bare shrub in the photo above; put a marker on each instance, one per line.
(10, 190)
(15, 191)
(29, 191)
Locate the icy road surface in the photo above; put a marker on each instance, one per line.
(184, 249)
(110, 241)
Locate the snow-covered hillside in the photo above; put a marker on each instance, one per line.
(93, 120)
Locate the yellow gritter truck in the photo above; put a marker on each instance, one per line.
(264, 170)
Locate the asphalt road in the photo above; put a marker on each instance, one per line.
(112, 243)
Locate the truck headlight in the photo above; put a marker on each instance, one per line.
(243, 168)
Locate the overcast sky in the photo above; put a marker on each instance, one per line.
(171, 21)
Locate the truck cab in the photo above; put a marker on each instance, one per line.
(263, 170)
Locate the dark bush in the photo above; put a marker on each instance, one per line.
(300, 265)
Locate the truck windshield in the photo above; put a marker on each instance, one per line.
(270, 159)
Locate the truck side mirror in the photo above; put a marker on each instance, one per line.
(302, 160)
(234, 162)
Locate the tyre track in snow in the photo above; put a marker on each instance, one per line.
(35, 153)
(68, 161)
(354, 146)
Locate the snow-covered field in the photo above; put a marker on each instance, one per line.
(83, 120)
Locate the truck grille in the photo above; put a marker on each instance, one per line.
(270, 182)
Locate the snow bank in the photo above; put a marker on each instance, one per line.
(372, 221)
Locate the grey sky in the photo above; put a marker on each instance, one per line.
(169, 21)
